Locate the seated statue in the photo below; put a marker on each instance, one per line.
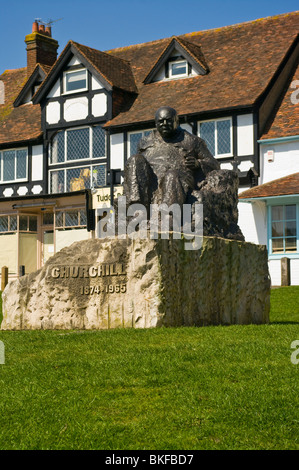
(173, 166)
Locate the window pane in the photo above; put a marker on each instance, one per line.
(78, 179)
(134, 140)
(223, 137)
(21, 164)
(207, 133)
(59, 219)
(83, 218)
(4, 223)
(277, 245)
(32, 223)
(291, 244)
(98, 148)
(13, 223)
(277, 229)
(179, 68)
(71, 218)
(78, 144)
(75, 80)
(57, 148)
(57, 181)
(99, 176)
(277, 213)
(9, 165)
(48, 218)
(23, 222)
(290, 212)
(290, 228)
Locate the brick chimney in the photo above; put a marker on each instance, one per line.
(41, 47)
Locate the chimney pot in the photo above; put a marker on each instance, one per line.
(41, 48)
(34, 26)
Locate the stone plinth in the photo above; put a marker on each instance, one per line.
(142, 283)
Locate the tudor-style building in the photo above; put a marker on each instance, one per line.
(68, 125)
(270, 215)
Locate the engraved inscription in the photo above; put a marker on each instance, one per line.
(102, 279)
(110, 288)
(102, 270)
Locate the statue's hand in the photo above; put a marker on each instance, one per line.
(191, 162)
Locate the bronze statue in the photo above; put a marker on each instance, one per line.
(174, 166)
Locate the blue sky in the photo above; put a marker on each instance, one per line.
(104, 24)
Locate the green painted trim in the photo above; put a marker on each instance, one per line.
(268, 198)
(279, 140)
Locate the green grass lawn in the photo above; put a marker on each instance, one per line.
(162, 389)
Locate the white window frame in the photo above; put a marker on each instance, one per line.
(171, 76)
(65, 147)
(68, 72)
(15, 180)
(136, 132)
(65, 169)
(220, 155)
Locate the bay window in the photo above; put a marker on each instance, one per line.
(78, 144)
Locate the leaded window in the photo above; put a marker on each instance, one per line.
(78, 144)
(134, 138)
(13, 165)
(70, 218)
(218, 136)
(21, 222)
(77, 178)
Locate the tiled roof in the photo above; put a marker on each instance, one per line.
(22, 123)
(115, 70)
(280, 187)
(242, 60)
(285, 120)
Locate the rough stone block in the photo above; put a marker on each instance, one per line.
(142, 283)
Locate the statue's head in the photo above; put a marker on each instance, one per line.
(167, 121)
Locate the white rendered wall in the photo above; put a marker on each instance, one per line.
(37, 163)
(117, 151)
(275, 271)
(245, 135)
(55, 90)
(53, 112)
(253, 222)
(75, 109)
(67, 237)
(286, 161)
(95, 84)
(294, 272)
(99, 105)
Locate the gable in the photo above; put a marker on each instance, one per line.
(73, 65)
(31, 86)
(184, 58)
(107, 71)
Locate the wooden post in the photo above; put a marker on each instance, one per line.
(285, 272)
(4, 277)
(21, 271)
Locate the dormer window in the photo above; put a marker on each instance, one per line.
(178, 69)
(75, 81)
